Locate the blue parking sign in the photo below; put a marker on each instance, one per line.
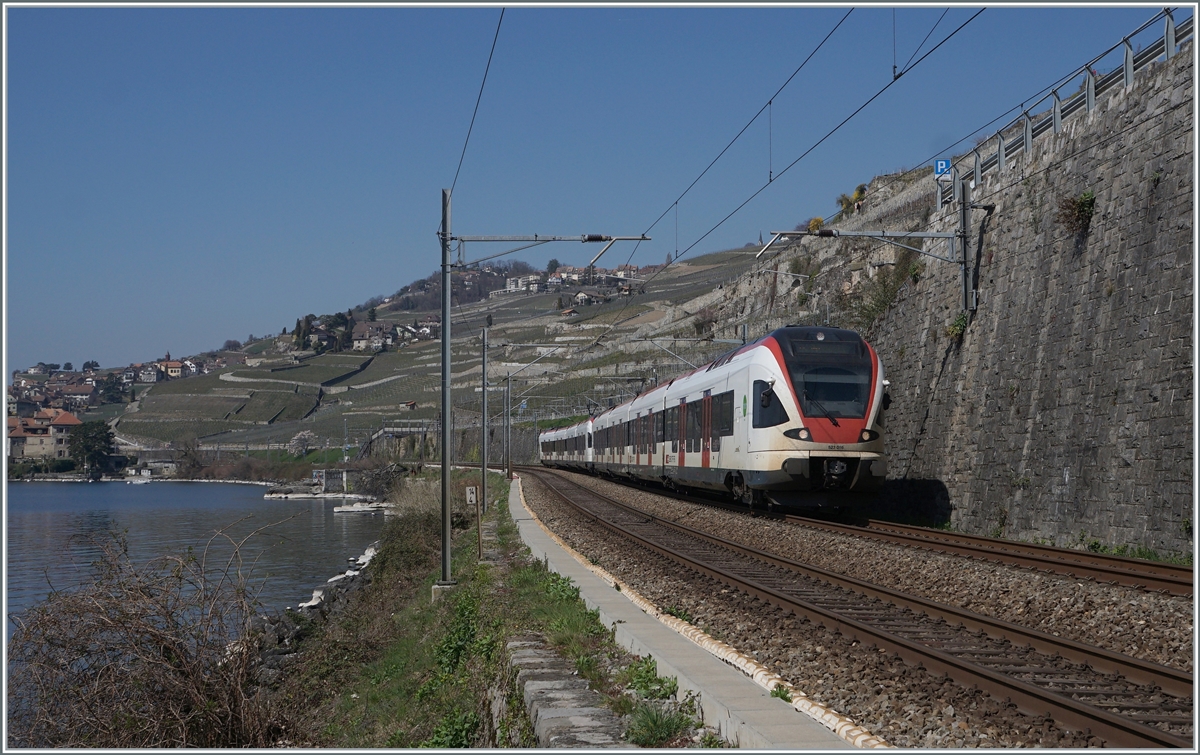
(941, 167)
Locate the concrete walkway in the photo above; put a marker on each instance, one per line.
(743, 712)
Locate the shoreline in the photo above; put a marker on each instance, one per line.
(131, 479)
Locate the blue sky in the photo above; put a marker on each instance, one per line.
(180, 176)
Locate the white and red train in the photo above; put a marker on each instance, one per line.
(775, 422)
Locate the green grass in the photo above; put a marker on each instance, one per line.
(174, 431)
(311, 374)
(188, 406)
(102, 413)
(265, 405)
(259, 346)
(416, 674)
(386, 364)
(194, 384)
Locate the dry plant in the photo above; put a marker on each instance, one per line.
(156, 655)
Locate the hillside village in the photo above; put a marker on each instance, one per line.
(45, 401)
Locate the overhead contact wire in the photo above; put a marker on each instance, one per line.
(790, 165)
(477, 101)
(834, 130)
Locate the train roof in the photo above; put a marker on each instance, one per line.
(784, 335)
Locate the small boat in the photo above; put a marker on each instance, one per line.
(141, 481)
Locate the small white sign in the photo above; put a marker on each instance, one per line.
(941, 167)
(471, 496)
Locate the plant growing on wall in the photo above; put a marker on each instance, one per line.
(1075, 213)
(958, 327)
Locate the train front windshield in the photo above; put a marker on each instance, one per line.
(831, 373)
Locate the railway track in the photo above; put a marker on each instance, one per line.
(1131, 572)
(1177, 580)
(1126, 701)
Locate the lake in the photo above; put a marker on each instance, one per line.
(49, 524)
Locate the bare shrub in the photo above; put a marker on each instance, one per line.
(705, 320)
(153, 655)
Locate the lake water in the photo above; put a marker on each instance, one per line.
(49, 524)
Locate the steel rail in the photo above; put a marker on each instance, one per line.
(1172, 578)
(1029, 698)
(1130, 572)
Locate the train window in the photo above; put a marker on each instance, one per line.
(660, 426)
(589, 438)
(773, 413)
(723, 414)
(835, 391)
(831, 371)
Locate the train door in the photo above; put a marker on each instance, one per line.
(706, 429)
(637, 440)
(682, 409)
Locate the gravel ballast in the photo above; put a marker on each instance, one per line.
(905, 705)
(1151, 626)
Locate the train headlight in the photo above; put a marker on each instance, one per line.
(798, 433)
(805, 434)
(867, 436)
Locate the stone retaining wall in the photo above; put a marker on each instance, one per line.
(1064, 410)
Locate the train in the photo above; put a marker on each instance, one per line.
(794, 420)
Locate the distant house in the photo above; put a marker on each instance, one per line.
(80, 396)
(373, 335)
(569, 312)
(582, 298)
(554, 280)
(149, 374)
(173, 368)
(191, 367)
(42, 436)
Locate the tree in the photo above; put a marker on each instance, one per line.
(91, 364)
(90, 444)
(231, 345)
(371, 315)
(551, 266)
(68, 367)
(301, 442)
(111, 390)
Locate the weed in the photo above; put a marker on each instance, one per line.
(1075, 213)
(782, 692)
(710, 741)
(655, 725)
(455, 730)
(588, 667)
(959, 326)
(914, 272)
(643, 677)
(560, 587)
(623, 705)
(679, 613)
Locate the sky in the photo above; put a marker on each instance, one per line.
(179, 176)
